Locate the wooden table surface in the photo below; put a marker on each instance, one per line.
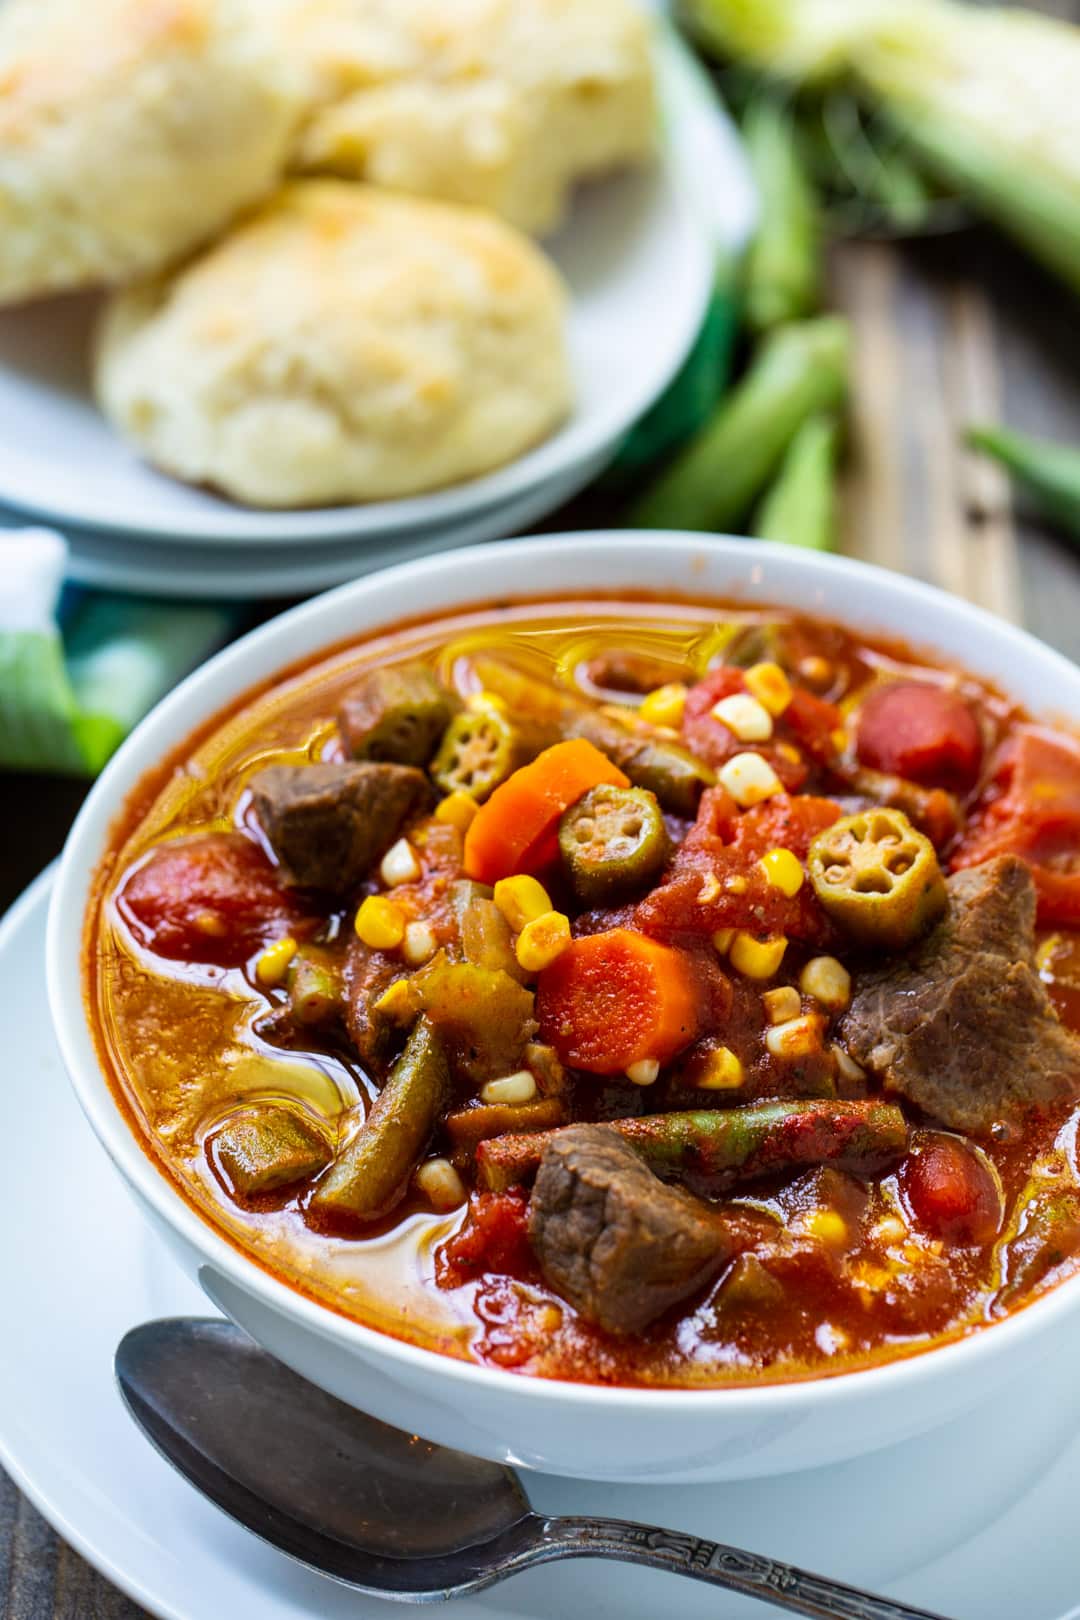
(948, 332)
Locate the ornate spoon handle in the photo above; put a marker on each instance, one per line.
(782, 1585)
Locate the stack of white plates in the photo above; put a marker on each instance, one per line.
(639, 255)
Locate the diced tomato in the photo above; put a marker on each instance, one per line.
(717, 883)
(1032, 808)
(784, 822)
(951, 1192)
(712, 742)
(494, 1237)
(920, 732)
(811, 723)
(213, 899)
(615, 999)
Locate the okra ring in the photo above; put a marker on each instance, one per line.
(878, 877)
(612, 842)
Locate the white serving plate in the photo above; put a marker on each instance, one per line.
(589, 1432)
(171, 568)
(638, 253)
(86, 1268)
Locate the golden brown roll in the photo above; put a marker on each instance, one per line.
(343, 344)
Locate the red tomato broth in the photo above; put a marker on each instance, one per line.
(180, 1047)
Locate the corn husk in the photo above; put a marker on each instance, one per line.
(987, 98)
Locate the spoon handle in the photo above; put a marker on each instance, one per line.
(782, 1585)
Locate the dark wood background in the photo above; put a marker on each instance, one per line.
(948, 331)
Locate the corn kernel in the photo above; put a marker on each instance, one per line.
(783, 870)
(521, 900)
(782, 1004)
(399, 864)
(757, 958)
(542, 940)
(722, 940)
(744, 716)
(724, 1072)
(797, 1038)
(870, 1280)
(736, 884)
(512, 1089)
(273, 963)
(440, 1184)
(643, 1072)
(789, 752)
(211, 923)
(380, 923)
(419, 944)
(400, 1002)
(828, 981)
(479, 702)
(816, 671)
(749, 779)
(710, 888)
(846, 1066)
(771, 687)
(839, 739)
(826, 1225)
(664, 705)
(456, 810)
(889, 1230)
(831, 1339)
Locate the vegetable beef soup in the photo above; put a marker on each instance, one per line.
(612, 990)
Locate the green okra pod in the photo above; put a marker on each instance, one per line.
(1048, 473)
(799, 508)
(797, 371)
(782, 268)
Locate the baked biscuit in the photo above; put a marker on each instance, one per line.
(502, 104)
(131, 131)
(343, 344)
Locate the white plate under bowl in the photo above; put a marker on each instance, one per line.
(639, 264)
(169, 568)
(85, 1268)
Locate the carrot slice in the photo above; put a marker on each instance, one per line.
(515, 830)
(617, 998)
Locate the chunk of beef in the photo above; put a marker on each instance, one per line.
(328, 824)
(613, 1239)
(964, 1027)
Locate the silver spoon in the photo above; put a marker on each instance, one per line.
(387, 1512)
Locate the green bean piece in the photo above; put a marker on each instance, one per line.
(1048, 473)
(714, 1151)
(799, 509)
(481, 748)
(712, 483)
(370, 1174)
(267, 1148)
(878, 878)
(782, 267)
(313, 984)
(613, 842)
(469, 1126)
(396, 713)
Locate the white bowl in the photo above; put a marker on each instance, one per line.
(573, 1429)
